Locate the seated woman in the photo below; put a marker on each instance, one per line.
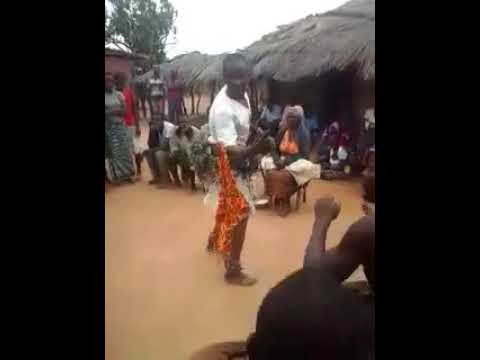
(335, 153)
(291, 152)
(293, 139)
(181, 152)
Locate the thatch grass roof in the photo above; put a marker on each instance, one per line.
(306, 48)
(213, 71)
(318, 43)
(189, 67)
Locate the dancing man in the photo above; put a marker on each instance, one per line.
(229, 128)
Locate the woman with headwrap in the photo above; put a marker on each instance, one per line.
(293, 139)
(292, 152)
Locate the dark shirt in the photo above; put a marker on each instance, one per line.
(140, 88)
(308, 315)
(153, 138)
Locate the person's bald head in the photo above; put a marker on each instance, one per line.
(236, 73)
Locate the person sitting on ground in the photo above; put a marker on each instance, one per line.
(336, 151)
(181, 152)
(158, 154)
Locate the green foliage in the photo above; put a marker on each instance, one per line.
(203, 160)
(141, 25)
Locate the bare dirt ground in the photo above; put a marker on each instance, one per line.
(165, 297)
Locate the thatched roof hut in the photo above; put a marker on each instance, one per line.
(189, 67)
(212, 72)
(338, 39)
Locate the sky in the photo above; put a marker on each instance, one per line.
(216, 26)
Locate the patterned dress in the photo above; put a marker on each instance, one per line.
(118, 143)
(232, 207)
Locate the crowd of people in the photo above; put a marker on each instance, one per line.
(310, 313)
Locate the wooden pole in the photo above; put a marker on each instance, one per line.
(198, 102)
(192, 96)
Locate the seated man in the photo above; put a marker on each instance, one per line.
(157, 154)
(310, 315)
(181, 144)
(270, 116)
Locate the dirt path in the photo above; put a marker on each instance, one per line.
(165, 297)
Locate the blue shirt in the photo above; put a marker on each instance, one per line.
(273, 115)
(312, 122)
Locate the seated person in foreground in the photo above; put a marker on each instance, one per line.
(310, 315)
(157, 154)
(181, 152)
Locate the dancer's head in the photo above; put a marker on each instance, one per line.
(236, 73)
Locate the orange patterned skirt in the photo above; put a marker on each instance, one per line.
(232, 207)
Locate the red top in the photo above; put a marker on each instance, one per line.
(129, 106)
(175, 90)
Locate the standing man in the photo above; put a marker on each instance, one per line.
(174, 98)
(140, 87)
(156, 93)
(229, 129)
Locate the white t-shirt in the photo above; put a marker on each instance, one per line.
(156, 87)
(229, 120)
(168, 129)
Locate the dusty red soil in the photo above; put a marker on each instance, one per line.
(165, 297)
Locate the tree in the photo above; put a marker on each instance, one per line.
(141, 25)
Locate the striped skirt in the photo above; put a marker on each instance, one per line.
(118, 154)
